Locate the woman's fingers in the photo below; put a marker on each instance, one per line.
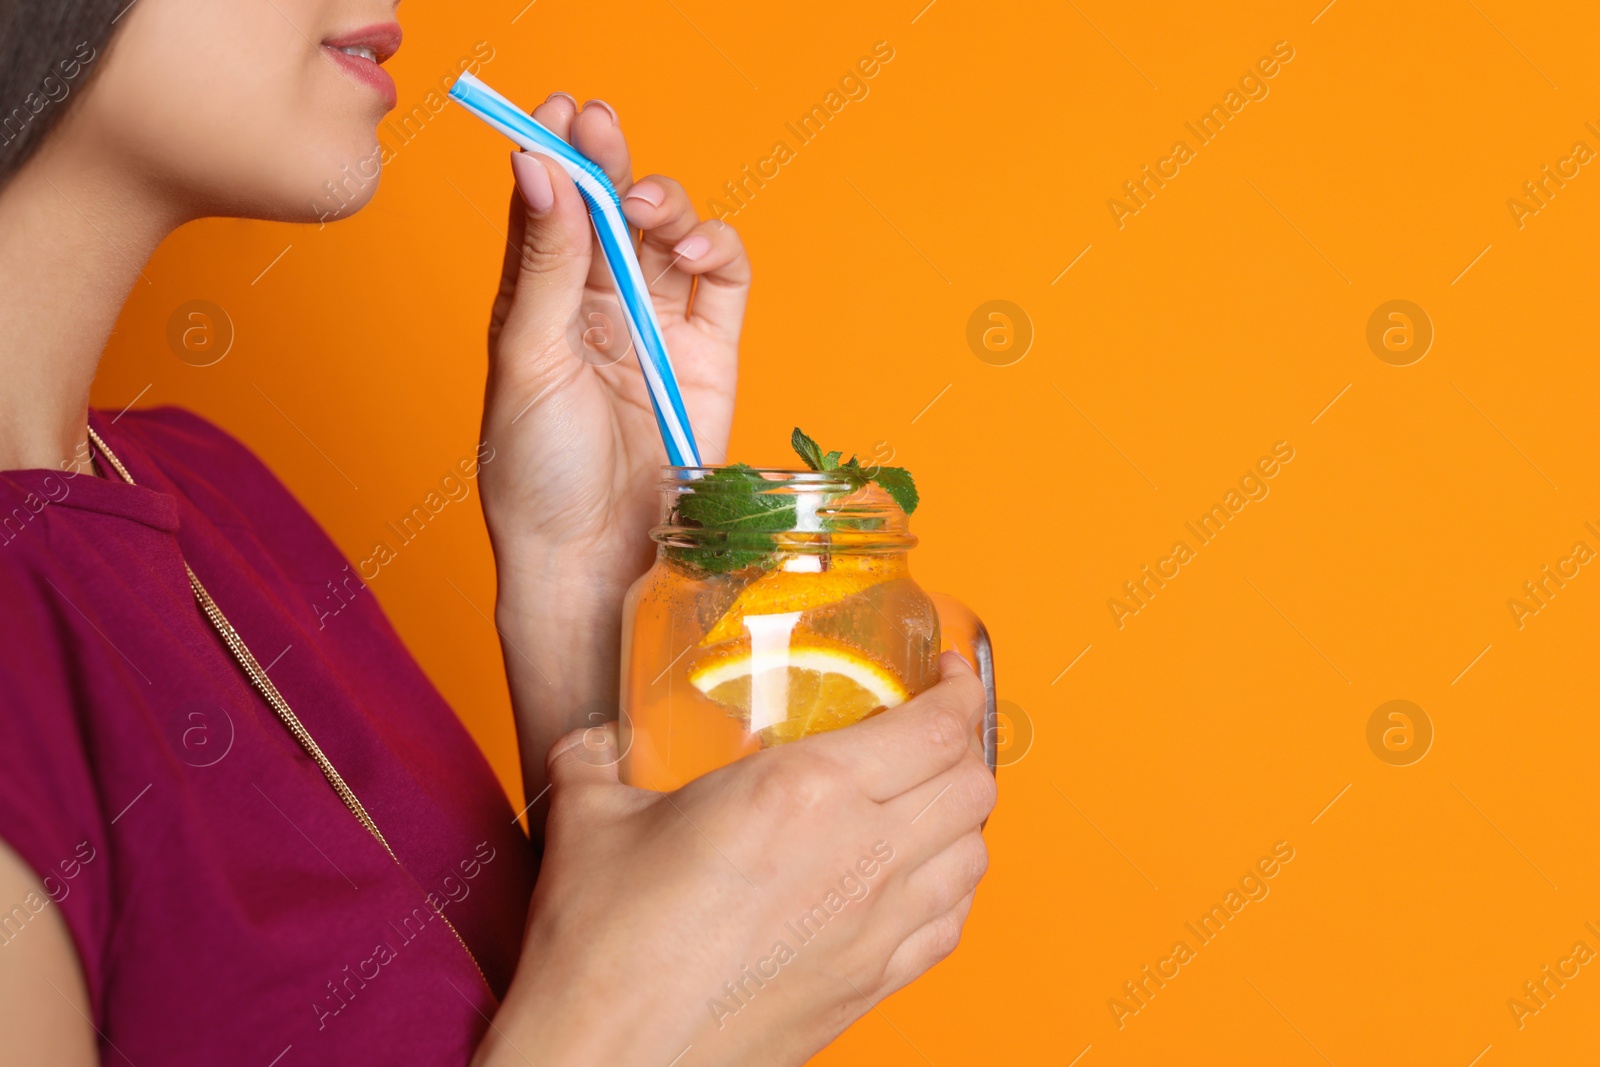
(597, 135)
(585, 756)
(533, 193)
(714, 253)
(592, 130)
(918, 922)
(547, 259)
(677, 246)
(906, 746)
(930, 905)
(556, 115)
(660, 208)
(941, 810)
(926, 946)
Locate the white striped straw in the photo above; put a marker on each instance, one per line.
(616, 242)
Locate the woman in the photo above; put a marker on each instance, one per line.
(231, 836)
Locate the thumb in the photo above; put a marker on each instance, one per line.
(585, 757)
(547, 255)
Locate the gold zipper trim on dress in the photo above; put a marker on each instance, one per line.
(280, 707)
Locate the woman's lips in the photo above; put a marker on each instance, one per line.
(366, 72)
(382, 41)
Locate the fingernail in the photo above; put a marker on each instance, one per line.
(951, 660)
(693, 247)
(597, 742)
(565, 96)
(534, 182)
(609, 110)
(649, 192)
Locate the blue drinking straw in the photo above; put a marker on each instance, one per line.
(616, 242)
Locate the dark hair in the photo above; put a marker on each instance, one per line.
(48, 49)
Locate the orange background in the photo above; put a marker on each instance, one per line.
(1222, 318)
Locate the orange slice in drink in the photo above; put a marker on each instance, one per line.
(798, 691)
(781, 591)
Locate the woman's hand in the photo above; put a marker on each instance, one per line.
(577, 450)
(752, 915)
(570, 493)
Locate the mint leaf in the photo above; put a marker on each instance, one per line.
(730, 500)
(897, 482)
(735, 514)
(807, 448)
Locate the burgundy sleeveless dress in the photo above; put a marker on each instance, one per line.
(226, 906)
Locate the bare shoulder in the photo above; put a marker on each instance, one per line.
(44, 1006)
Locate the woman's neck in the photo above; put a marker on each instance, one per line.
(75, 234)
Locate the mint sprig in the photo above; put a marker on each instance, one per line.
(731, 500)
(735, 510)
(896, 481)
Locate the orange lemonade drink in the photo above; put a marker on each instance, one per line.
(781, 604)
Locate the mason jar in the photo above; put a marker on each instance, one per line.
(781, 604)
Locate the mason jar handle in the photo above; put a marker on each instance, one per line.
(961, 629)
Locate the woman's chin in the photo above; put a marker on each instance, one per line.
(323, 192)
(306, 205)
(340, 202)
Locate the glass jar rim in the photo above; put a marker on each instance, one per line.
(775, 474)
(848, 526)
